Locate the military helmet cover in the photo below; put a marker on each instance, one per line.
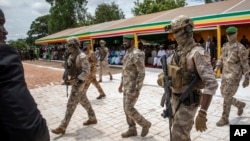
(231, 30)
(73, 40)
(179, 23)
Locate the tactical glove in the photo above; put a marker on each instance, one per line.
(245, 83)
(200, 122)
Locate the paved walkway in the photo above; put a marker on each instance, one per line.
(52, 101)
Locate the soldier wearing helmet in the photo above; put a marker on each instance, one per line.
(78, 70)
(234, 60)
(188, 59)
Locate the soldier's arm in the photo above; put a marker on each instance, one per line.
(106, 52)
(205, 71)
(220, 60)
(243, 54)
(85, 67)
(140, 66)
(120, 87)
(93, 58)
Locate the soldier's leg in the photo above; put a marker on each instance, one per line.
(228, 90)
(100, 71)
(98, 87)
(135, 115)
(235, 102)
(71, 106)
(106, 68)
(87, 106)
(183, 120)
(131, 123)
(86, 84)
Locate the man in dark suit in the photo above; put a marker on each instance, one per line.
(20, 119)
(209, 46)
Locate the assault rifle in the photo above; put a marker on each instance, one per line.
(66, 73)
(166, 98)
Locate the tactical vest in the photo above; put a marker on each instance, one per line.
(102, 53)
(74, 71)
(177, 70)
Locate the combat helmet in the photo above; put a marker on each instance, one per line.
(72, 40)
(179, 23)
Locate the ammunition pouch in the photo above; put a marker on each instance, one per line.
(193, 98)
(179, 78)
(175, 75)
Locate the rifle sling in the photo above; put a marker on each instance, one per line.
(186, 93)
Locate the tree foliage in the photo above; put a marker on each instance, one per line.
(38, 29)
(19, 44)
(108, 12)
(152, 6)
(66, 14)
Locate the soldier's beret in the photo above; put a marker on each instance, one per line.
(86, 43)
(129, 36)
(231, 30)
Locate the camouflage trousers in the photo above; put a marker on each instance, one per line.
(77, 95)
(183, 120)
(228, 90)
(92, 79)
(132, 115)
(103, 66)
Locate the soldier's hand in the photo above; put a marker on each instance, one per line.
(245, 83)
(135, 94)
(120, 89)
(200, 122)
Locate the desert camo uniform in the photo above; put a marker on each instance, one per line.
(234, 61)
(189, 58)
(79, 69)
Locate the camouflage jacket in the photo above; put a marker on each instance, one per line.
(234, 61)
(198, 61)
(103, 53)
(78, 66)
(93, 62)
(133, 72)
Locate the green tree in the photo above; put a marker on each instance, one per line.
(152, 6)
(108, 12)
(38, 29)
(66, 14)
(19, 44)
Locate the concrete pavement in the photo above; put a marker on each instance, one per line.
(52, 101)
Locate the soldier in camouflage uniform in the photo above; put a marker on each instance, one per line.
(91, 78)
(189, 58)
(79, 68)
(133, 74)
(103, 53)
(234, 60)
